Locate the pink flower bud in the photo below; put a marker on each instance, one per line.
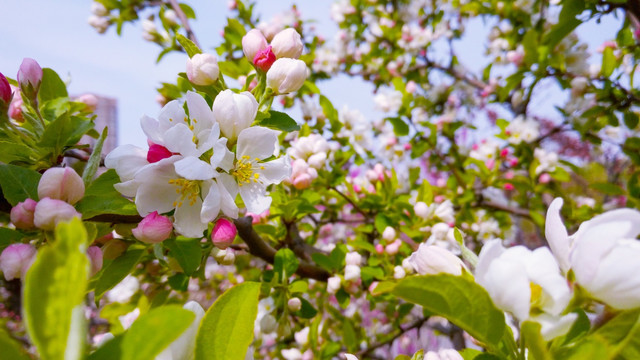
(379, 249)
(513, 162)
(287, 44)
(90, 100)
(95, 257)
(29, 75)
(509, 186)
(15, 108)
(223, 233)
(16, 259)
(286, 75)
(544, 178)
(157, 152)
(5, 89)
(153, 228)
(252, 43)
(49, 212)
(411, 87)
(203, 69)
(302, 181)
(394, 247)
(509, 175)
(504, 152)
(264, 59)
(389, 233)
(62, 184)
(22, 214)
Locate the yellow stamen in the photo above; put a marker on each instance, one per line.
(187, 189)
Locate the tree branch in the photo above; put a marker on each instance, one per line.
(416, 324)
(258, 247)
(185, 22)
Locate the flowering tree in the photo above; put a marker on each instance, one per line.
(438, 229)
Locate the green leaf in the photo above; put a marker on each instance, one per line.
(8, 237)
(112, 349)
(285, 263)
(54, 291)
(186, 251)
(64, 131)
(18, 183)
(154, 331)
(608, 62)
(631, 119)
(400, 127)
(102, 198)
(188, 45)
(461, 301)
(94, 160)
(117, 270)
(534, 341)
(307, 311)
(10, 348)
(52, 86)
(188, 11)
(331, 113)
(279, 121)
(566, 22)
(14, 152)
(226, 330)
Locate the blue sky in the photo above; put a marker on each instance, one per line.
(57, 35)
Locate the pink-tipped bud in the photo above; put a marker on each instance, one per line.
(22, 214)
(264, 59)
(95, 258)
(287, 44)
(153, 229)
(544, 178)
(253, 42)
(509, 186)
(29, 76)
(379, 249)
(504, 152)
(62, 184)
(389, 233)
(157, 152)
(203, 69)
(393, 248)
(49, 212)
(302, 181)
(90, 100)
(411, 87)
(5, 89)
(223, 233)
(15, 108)
(286, 75)
(16, 259)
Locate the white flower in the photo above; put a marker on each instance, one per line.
(100, 23)
(353, 258)
(250, 175)
(603, 254)
(287, 44)
(522, 129)
(124, 290)
(183, 347)
(286, 75)
(291, 354)
(388, 102)
(312, 148)
(399, 272)
(431, 260)
(234, 112)
(389, 234)
(548, 160)
(333, 284)
(203, 69)
(351, 272)
(520, 280)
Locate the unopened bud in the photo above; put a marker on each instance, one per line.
(16, 259)
(286, 75)
(268, 324)
(431, 260)
(287, 44)
(203, 69)
(294, 304)
(5, 90)
(264, 59)
(252, 43)
(22, 214)
(389, 233)
(421, 209)
(95, 257)
(90, 100)
(29, 77)
(333, 284)
(153, 229)
(225, 257)
(62, 184)
(223, 234)
(49, 212)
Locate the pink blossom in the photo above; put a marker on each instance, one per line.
(5, 89)
(16, 259)
(223, 234)
(95, 257)
(264, 59)
(157, 152)
(153, 228)
(22, 214)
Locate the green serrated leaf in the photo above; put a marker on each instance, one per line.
(459, 300)
(102, 198)
(279, 121)
(52, 86)
(188, 45)
(187, 252)
(94, 160)
(226, 330)
(285, 263)
(54, 291)
(18, 183)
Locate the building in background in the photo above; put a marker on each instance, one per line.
(107, 116)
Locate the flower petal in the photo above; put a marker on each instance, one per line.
(556, 235)
(199, 112)
(254, 197)
(187, 219)
(192, 168)
(171, 115)
(180, 139)
(257, 142)
(228, 192)
(211, 204)
(126, 160)
(275, 171)
(151, 128)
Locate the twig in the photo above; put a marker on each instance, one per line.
(185, 22)
(416, 324)
(512, 210)
(355, 206)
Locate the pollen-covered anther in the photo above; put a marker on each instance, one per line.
(187, 189)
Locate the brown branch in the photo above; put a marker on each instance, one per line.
(185, 22)
(258, 247)
(298, 245)
(416, 324)
(112, 218)
(355, 206)
(513, 210)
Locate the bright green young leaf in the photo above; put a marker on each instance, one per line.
(102, 198)
(226, 330)
(400, 127)
(279, 121)
(331, 113)
(52, 86)
(94, 160)
(18, 183)
(566, 22)
(188, 45)
(54, 291)
(608, 62)
(285, 263)
(187, 252)
(10, 348)
(117, 270)
(64, 131)
(534, 342)
(112, 349)
(154, 331)
(8, 237)
(11, 151)
(460, 300)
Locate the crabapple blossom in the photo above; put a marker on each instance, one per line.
(234, 112)
(22, 214)
(286, 75)
(223, 233)
(153, 228)
(5, 90)
(252, 43)
(49, 212)
(430, 259)
(287, 44)
(16, 259)
(202, 69)
(62, 184)
(95, 256)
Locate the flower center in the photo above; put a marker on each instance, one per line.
(187, 190)
(244, 171)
